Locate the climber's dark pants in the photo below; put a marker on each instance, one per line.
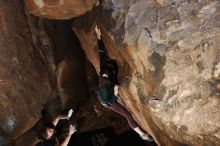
(117, 107)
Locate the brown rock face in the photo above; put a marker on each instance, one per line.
(24, 74)
(167, 49)
(59, 9)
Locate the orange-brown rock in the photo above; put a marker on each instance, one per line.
(59, 9)
(24, 74)
(169, 50)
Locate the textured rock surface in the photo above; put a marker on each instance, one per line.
(169, 49)
(24, 72)
(59, 9)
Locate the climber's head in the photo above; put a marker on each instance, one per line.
(48, 132)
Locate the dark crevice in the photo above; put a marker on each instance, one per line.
(67, 48)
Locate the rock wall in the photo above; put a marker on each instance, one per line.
(59, 9)
(168, 54)
(167, 51)
(25, 73)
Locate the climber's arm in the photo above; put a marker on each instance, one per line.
(72, 129)
(58, 118)
(102, 49)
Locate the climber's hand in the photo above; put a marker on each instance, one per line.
(70, 112)
(98, 32)
(72, 129)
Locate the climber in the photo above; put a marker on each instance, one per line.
(43, 131)
(48, 132)
(107, 90)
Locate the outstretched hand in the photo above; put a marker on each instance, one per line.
(70, 112)
(98, 32)
(72, 129)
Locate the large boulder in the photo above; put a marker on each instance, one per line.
(59, 9)
(168, 55)
(24, 72)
